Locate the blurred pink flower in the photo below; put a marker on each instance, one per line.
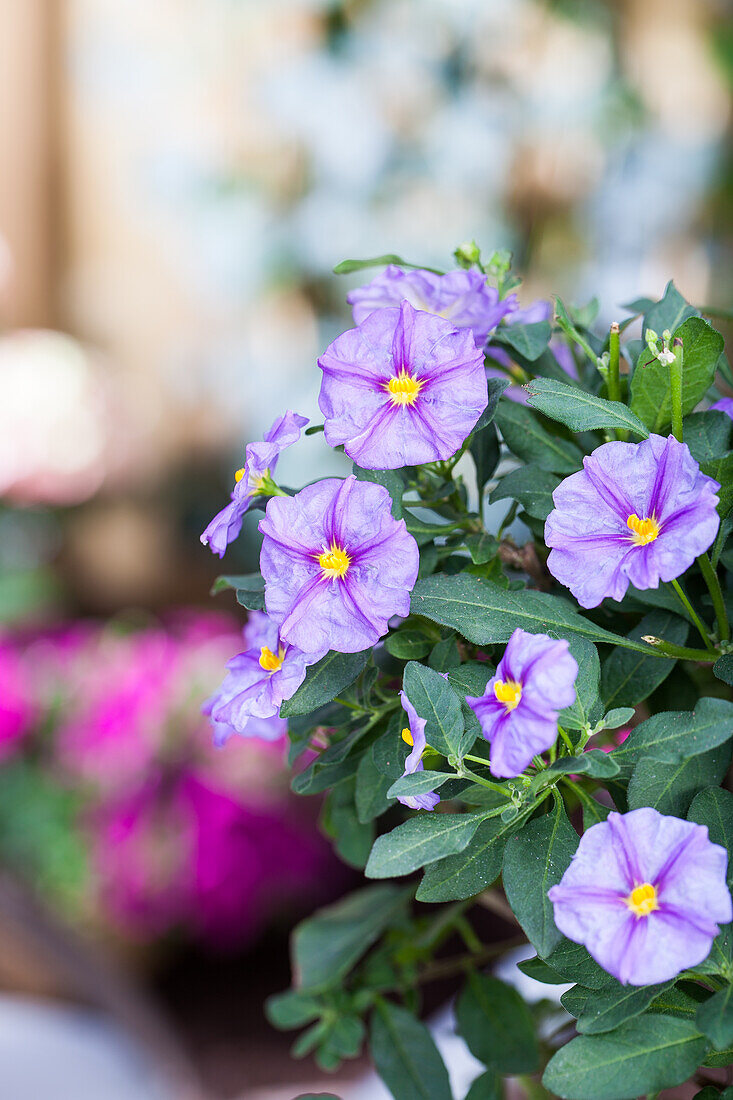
(17, 710)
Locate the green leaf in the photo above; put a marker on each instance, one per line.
(292, 1009)
(537, 969)
(422, 531)
(485, 451)
(642, 1056)
(324, 680)
(421, 840)
(714, 808)
(418, 783)
(715, 1018)
(581, 411)
(534, 860)
(670, 788)
(405, 1055)
(245, 580)
(470, 678)
(572, 962)
(620, 716)
(527, 439)
(529, 340)
(722, 470)
(347, 267)
(250, 592)
(317, 1096)
(593, 762)
(707, 434)
(352, 838)
(669, 312)
(389, 480)
(487, 614)
(408, 645)
(497, 1026)
(650, 388)
(495, 388)
(627, 677)
(604, 1010)
(468, 872)
(530, 486)
(434, 700)
(371, 789)
(487, 1086)
(674, 736)
(723, 668)
(481, 546)
(327, 945)
(586, 707)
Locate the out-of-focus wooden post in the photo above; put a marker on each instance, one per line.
(25, 72)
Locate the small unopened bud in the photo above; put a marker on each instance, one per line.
(468, 254)
(666, 336)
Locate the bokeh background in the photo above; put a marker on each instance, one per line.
(177, 180)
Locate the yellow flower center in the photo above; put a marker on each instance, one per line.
(407, 737)
(256, 486)
(508, 692)
(403, 389)
(334, 561)
(270, 661)
(643, 531)
(642, 900)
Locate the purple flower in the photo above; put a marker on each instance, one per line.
(518, 711)
(636, 512)
(462, 297)
(724, 405)
(258, 680)
(414, 735)
(336, 565)
(260, 462)
(645, 893)
(403, 388)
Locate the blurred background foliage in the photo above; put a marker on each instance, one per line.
(181, 177)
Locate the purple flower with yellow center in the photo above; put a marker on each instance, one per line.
(636, 513)
(257, 682)
(518, 711)
(462, 297)
(414, 736)
(724, 405)
(645, 894)
(403, 388)
(252, 480)
(336, 565)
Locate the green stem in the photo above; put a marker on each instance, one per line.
(675, 380)
(346, 703)
(683, 653)
(614, 357)
(711, 580)
(581, 795)
(466, 773)
(693, 615)
(566, 739)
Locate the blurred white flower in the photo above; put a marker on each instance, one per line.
(51, 419)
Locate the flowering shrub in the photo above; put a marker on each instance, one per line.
(113, 803)
(459, 630)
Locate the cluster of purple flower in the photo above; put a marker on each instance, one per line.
(407, 386)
